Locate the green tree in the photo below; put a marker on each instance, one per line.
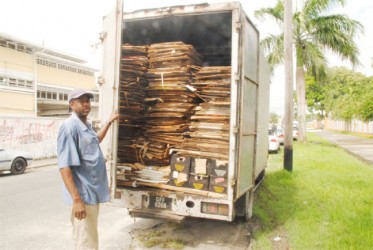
(348, 94)
(314, 30)
(365, 108)
(315, 94)
(273, 118)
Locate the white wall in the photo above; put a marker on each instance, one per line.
(36, 135)
(352, 126)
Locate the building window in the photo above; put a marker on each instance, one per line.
(96, 98)
(58, 95)
(16, 46)
(11, 45)
(16, 83)
(21, 48)
(63, 66)
(12, 82)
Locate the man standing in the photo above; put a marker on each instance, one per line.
(82, 167)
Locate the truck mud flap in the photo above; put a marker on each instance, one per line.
(259, 179)
(151, 214)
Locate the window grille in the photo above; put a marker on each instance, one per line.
(16, 46)
(16, 83)
(62, 66)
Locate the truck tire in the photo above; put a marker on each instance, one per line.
(249, 202)
(18, 166)
(244, 206)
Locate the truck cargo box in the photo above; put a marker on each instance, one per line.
(192, 88)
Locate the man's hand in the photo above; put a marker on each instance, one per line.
(114, 116)
(102, 133)
(79, 209)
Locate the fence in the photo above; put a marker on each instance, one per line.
(351, 126)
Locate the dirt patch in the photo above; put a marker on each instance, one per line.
(193, 234)
(280, 239)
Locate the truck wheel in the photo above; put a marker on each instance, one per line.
(18, 166)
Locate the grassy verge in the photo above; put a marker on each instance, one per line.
(325, 203)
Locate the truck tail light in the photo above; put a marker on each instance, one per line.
(215, 208)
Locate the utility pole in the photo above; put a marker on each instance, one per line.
(289, 106)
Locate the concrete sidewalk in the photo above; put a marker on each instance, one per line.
(43, 163)
(359, 147)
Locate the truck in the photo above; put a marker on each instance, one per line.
(223, 36)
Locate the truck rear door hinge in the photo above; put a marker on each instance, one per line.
(235, 130)
(238, 26)
(100, 80)
(233, 182)
(102, 36)
(237, 77)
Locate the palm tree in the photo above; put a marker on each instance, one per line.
(314, 32)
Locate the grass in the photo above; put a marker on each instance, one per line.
(325, 203)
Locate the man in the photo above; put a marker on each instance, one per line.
(82, 167)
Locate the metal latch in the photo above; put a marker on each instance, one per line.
(233, 182)
(238, 26)
(235, 130)
(237, 77)
(100, 80)
(102, 36)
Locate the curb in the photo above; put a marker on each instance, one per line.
(43, 163)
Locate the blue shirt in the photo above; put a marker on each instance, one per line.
(78, 148)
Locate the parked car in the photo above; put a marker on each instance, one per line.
(295, 133)
(281, 135)
(273, 142)
(14, 161)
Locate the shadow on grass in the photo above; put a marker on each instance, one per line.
(274, 202)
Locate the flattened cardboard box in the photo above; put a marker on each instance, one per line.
(200, 182)
(218, 168)
(178, 179)
(199, 166)
(181, 163)
(218, 184)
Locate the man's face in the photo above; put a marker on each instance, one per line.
(81, 106)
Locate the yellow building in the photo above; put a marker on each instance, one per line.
(35, 81)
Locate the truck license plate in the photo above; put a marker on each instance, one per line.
(160, 202)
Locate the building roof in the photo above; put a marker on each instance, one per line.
(40, 48)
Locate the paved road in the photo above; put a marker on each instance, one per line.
(33, 216)
(361, 148)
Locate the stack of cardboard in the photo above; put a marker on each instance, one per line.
(170, 103)
(134, 65)
(132, 172)
(209, 128)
